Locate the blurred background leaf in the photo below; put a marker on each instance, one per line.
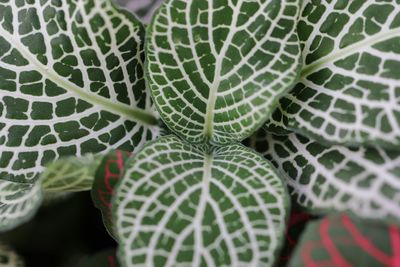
(143, 9)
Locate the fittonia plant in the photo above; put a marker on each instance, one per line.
(322, 76)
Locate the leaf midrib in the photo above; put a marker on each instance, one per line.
(210, 112)
(354, 48)
(128, 112)
(201, 210)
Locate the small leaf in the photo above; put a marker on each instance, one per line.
(70, 174)
(365, 181)
(143, 9)
(349, 87)
(346, 242)
(185, 205)
(217, 68)
(108, 174)
(18, 203)
(8, 257)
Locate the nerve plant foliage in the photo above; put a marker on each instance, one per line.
(322, 76)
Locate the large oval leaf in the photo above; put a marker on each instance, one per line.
(349, 91)
(179, 205)
(71, 82)
(346, 242)
(216, 68)
(365, 181)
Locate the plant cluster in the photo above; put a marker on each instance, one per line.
(197, 133)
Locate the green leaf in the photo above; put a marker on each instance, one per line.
(70, 174)
(143, 9)
(107, 175)
(217, 68)
(8, 257)
(184, 205)
(71, 83)
(346, 242)
(18, 203)
(349, 87)
(365, 181)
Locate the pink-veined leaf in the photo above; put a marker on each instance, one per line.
(341, 241)
(107, 176)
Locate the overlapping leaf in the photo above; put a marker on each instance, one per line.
(143, 9)
(365, 181)
(216, 68)
(71, 83)
(349, 91)
(345, 242)
(71, 174)
(181, 205)
(108, 174)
